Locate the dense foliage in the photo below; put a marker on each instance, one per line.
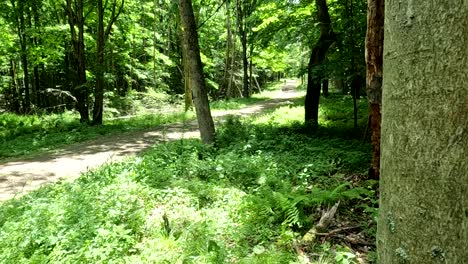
(249, 199)
(242, 43)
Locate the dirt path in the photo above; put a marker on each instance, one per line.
(23, 175)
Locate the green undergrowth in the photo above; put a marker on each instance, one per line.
(248, 199)
(23, 135)
(28, 135)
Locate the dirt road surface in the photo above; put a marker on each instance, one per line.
(22, 175)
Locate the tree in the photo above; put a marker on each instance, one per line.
(197, 79)
(317, 57)
(424, 169)
(374, 60)
(245, 9)
(76, 19)
(102, 36)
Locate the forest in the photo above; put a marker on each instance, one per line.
(233, 131)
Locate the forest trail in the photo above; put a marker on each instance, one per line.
(25, 174)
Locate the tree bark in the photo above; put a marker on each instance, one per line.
(14, 92)
(424, 168)
(317, 57)
(229, 44)
(325, 85)
(188, 98)
(24, 56)
(243, 37)
(99, 91)
(374, 61)
(197, 79)
(102, 36)
(80, 89)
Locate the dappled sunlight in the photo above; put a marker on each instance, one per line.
(248, 200)
(69, 162)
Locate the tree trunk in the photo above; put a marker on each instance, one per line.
(230, 90)
(80, 89)
(102, 36)
(317, 57)
(228, 66)
(99, 91)
(374, 60)
(325, 85)
(14, 91)
(187, 85)
(243, 37)
(190, 39)
(355, 88)
(24, 56)
(424, 168)
(188, 98)
(251, 68)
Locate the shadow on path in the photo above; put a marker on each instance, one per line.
(22, 175)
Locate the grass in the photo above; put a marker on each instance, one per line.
(22, 136)
(249, 199)
(29, 135)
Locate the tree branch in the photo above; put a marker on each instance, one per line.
(113, 17)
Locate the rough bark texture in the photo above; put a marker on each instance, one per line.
(374, 60)
(197, 80)
(424, 168)
(317, 57)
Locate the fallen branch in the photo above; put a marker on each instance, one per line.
(338, 230)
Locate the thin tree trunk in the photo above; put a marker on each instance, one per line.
(325, 84)
(243, 36)
(355, 89)
(223, 91)
(258, 85)
(102, 36)
(197, 79)
(24, 57)
(80, 89)
(230, 90)
(423, 214)
(14, 88)
(374, 60)
(317, 57)
(251, 68)
(99, 91)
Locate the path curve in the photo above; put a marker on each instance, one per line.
(25, 174)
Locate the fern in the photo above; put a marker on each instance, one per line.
(289, 208)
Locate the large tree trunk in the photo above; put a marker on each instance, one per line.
(374, 60)
(190, 39)
(424, 168)
(317, 57)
